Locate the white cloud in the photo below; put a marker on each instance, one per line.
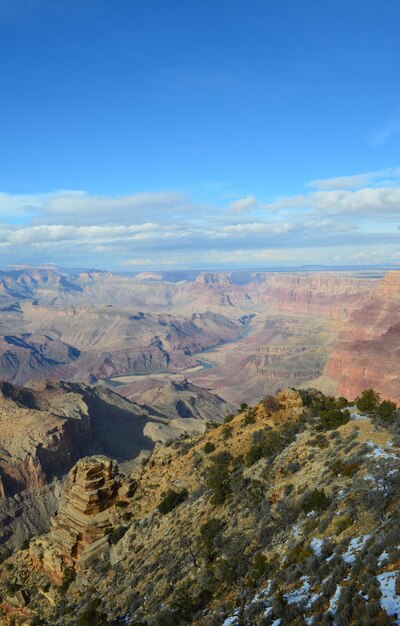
(353, 182)
(260, 227)
(243, 204)
(383, 200)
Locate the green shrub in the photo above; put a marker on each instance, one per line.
(317, 500)
(228, 418)
(387, 411)
(208, 533)
(331, 418)
(249, 419)
(226, 432)
(171, 499)
(343, 523)
(209, 447)
(217, 477)
(244, 406)
(368, 401)
(270, 442)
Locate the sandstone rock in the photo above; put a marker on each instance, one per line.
(79, 533)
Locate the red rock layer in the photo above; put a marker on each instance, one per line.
(368, 353)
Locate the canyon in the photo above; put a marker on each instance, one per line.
(237, 334)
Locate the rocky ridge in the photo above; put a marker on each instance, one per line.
(277, 515)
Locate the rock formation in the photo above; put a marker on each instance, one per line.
(80, 530)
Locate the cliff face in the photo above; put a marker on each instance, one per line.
(42, 434)
(367, 352)
(321, 294)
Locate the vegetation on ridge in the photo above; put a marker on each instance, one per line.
(293, 517)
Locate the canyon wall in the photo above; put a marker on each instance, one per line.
(367, 352)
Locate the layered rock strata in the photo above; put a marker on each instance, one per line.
(80, 530)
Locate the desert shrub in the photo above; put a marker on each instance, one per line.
(91, 616)
(288, 489)
(209, 447)
(228, 418)
(387, 411)
(316, 500)
(343, 523)
(319, 440)
(260, 568)
(331, 418)
(210, 532)
(117, 534)
(226, 432)
(271, 442)
(217, 477)
(12, 586)
(185, 604)
(122, 504)
(69, 576)
(249, 419)
(244, 406)
(271, 404)
(299, 554)
(171, 499)
(368, 401)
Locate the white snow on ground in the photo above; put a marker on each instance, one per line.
(389, 601)
(378, 452)
(276, 622)
(355, 545)
(296, 530)
(301, 595)
(334, 600)
(355, 415)
(316, 545)
(383, 557)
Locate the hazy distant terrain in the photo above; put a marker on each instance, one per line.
(239, 334)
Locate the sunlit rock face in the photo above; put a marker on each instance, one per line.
(367, 352)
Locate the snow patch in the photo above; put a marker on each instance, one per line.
(383, 557)
(355, 545)
(378, 452)
(316, 545)
(301, 595)
(334, 600)
(389, 601)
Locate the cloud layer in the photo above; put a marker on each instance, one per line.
(346, 219)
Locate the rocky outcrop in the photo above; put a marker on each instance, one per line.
(178, 398)
(46, 429)
(80, 530)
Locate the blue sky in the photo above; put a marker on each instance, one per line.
(140, 135)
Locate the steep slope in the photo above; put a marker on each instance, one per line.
(177, 398)
(287, 514)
